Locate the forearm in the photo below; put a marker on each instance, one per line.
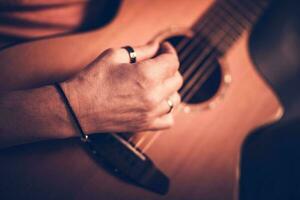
(32, 115)
(45, 61)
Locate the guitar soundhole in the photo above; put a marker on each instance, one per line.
(200, 68)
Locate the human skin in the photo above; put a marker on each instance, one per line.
(109, 95)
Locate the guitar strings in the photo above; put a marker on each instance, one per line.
(201, 23)
(207, 16)
(237, 33)
(203, 52)
(206, 70)
(199, 81)
(218, 39)
(185, 42)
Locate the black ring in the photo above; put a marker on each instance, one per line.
(131, 53)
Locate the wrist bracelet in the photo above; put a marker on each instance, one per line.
(84, 137)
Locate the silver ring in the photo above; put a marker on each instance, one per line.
(171, 105)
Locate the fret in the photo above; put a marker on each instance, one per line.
(236, 16)
(229, 18)
(255, 8)
(236, 5)
(215, 32)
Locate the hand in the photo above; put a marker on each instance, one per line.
(112, 95)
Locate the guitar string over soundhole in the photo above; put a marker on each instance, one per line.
(205, 79)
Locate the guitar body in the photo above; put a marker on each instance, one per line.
(200, 154)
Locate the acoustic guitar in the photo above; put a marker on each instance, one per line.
(224, 99)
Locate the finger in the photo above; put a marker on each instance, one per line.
(163, 122)
(121, 55)
(170, 86)
(146, 51)
(163, 108)
(165, 64)
(166, 47)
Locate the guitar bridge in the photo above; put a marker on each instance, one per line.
(123, 160)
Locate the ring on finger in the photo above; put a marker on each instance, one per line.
(131, 53)
(171, 105)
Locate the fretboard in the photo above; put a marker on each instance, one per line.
(224, 22)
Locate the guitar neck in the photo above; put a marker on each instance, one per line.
(226, 20)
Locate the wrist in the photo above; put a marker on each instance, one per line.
(76, 94)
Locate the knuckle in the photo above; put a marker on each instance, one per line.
(109, 52)
(144, 122)
(147, 75)
(176, 61)
(180, 79)
(173, 60)
(169, 121)
(178, 98)
(151, 101)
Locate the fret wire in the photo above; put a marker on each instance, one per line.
(224, 33)
(218, 6)
(259, 5)
(248, 7)
(235, 28)
(210, 14)
(235, 16)
(244, 8)
(263, 3)
(255, 7)
(202, 22)
(242, 12)
(229, 23)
